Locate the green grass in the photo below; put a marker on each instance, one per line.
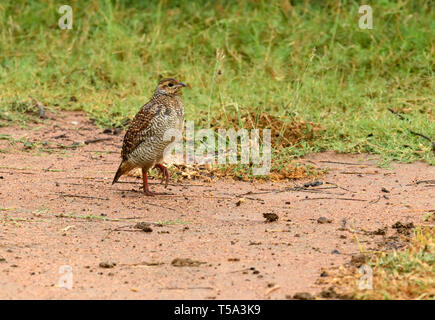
(405, 274)
(298, 60)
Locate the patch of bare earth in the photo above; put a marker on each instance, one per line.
(202, 240)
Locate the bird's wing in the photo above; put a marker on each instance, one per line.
(137, 130)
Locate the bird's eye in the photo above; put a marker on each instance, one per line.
(170, 84)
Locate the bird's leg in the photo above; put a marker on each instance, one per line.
(146, 189)
(165, 173)
(162, 171)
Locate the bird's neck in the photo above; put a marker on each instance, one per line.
(159, 94)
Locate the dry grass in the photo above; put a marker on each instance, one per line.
(397, 275)
(209, 173)
(283, 133)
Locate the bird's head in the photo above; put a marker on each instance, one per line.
(169, 86)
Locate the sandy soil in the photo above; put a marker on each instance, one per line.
(59, 208)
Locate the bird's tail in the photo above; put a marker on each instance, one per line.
(124, 167)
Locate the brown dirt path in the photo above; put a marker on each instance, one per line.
(46, 197)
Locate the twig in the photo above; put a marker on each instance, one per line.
(413, 132)
(397, 114)
(334, 184)
(375, 201)
(351, 172)
(102, 151)
(81, 196)
(256, 199)
(350, 199)
(423, 136)
(325, 192)
(324, 188)
(97, 140)
(160, 206)
(425, 181)
(347, 163)
(241, 270)
(270, 290)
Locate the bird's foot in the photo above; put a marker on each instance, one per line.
(149, 193)
(165, 173)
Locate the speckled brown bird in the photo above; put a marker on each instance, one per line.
(144, 141)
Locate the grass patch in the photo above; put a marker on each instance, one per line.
(408, 273)
(298, 62)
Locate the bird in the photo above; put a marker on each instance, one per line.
(144, 142)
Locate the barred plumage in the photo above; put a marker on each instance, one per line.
(144, 141)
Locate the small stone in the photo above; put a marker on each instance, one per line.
(270, 217)
(323, 220)
(324, 274)
(331, 293)
(303, 296)
(107, 265)
(145, 227)
(313, 184)
(240, 201)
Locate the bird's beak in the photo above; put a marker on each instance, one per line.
(181, 84)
